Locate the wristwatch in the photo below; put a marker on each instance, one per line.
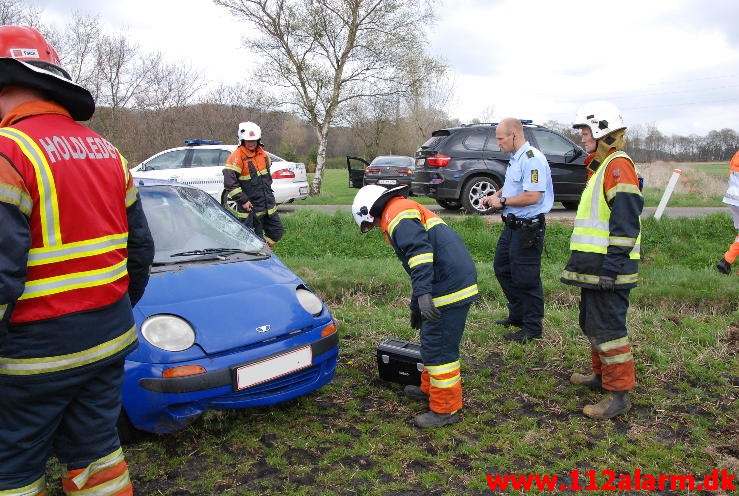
(502, 200)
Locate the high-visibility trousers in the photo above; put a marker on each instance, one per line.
(441, 378)
(603, 320)
(73, 414)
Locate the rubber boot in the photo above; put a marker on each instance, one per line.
(591, 380)
(615, 403)
(433, 419)
(414, 392)
(723, 266)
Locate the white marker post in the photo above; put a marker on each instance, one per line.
(668, 192)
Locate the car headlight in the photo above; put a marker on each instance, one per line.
(168, 332)
(309, 301)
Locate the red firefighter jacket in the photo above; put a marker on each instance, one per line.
(71, 212)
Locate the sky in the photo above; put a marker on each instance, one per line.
(673, 64)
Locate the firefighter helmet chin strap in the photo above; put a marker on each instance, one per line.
(616, 139)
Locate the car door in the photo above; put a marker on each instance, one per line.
(204, 170)
(166, 165)
(566, 161)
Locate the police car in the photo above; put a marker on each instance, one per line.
(223, 323)
(200, 164)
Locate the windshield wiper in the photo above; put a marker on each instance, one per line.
(217, 251)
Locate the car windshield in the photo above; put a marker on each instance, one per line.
(393, 161)
(187, 224)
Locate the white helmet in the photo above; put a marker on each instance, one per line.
(248, 131)
(602, 118)
(363, 203)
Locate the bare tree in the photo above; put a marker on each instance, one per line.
(327, 53)
(167, 85)
(77, 47)
(17, 12)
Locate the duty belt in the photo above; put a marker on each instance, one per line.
(514, 222)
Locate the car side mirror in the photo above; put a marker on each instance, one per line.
(573, 154)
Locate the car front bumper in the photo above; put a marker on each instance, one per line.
(165, 405)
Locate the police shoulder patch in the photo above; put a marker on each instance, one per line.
(530, 153)
(535, 176)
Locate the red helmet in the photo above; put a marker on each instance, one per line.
(28, 60)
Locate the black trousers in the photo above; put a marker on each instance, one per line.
(517, 266)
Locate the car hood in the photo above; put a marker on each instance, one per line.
(230, 305)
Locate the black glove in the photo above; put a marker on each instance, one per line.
(428, 309)
(415, 319)
(606, 283)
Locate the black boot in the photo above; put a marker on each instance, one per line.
(615, 403)
(723, 266)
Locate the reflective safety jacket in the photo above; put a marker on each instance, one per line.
(432, 254)
(606, 238)
(71, 217)
(246, 177)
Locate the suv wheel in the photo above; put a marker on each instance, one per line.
(449, 204)
(475, 190)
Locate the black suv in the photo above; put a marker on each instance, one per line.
(459, 166)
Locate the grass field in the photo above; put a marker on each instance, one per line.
(521, 416)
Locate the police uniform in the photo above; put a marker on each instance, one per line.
(517, 263)
(246, 177)
(438, 263)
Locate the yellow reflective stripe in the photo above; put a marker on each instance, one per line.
(48, 207)
(234, 192)
(245, 178)
(445, 383)
(108, 488)
(622, 188)
(460, 295)
(433, 222)
(33, 489)
(77, 280)
(18, 197)
(405, 214)
(593, 279)
(131, 196)
(621, 241)
(78, 249)
(613, 360)
(3, 309)
(234, 168)
(108, 461)
(43, 365)
(444, 368)
(612, 345)
(420, 259)
(262, 172)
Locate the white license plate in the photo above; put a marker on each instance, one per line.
(303, 190)
(387, 181)
(272, 368)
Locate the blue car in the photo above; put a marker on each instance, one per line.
(223, 323)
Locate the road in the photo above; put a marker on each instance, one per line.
(557, 212)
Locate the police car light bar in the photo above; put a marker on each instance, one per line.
(196, 142)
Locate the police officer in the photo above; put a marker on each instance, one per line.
(604, 256)
(444, 281)
(248, 184)
(75, 251)
(525, 197)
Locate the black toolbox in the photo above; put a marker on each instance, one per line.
(399, 361)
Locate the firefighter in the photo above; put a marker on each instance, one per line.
(75, 252)
(604, 256)
(731, 198)
(248, 183)
(444, 281)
